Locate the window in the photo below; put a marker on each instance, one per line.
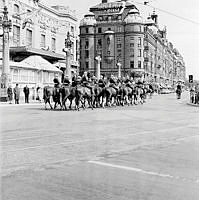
(46, 77)
(119, 29)
(16, 35)
(108, 53)
(109, 29)
(15, 75)
(16, 9)
(31, 76)
(131, 44)
(99, 42)
(87, 30)
(132, 64)
(108, 41)
(43, 41)
(119, 40)
(99, 30)
(87, 65)
(139, 64)
(28, 37)
(24, 75)
(139, 41)
(87, 54)
(119, 46)
(51, 76)
(131, 52)
(140, 53)
(86, 44)
(53, 44)
(29, 11)
(140, 28)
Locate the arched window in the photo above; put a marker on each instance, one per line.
(16, 9)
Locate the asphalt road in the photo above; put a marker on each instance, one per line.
(144, 152)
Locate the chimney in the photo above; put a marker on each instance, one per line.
(104, 1)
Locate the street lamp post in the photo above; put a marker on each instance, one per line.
(5, 76)
(98, 59)
(67, 50)
(119, 66)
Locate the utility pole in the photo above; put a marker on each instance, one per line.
(5, 76)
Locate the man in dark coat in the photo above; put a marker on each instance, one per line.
(26, 93)
(16, 94)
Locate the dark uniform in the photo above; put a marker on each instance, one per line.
(56, 82)
(66, 82)
(101, 83)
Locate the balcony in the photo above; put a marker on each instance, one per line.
(109, 59)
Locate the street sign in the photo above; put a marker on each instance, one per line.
(190, 78)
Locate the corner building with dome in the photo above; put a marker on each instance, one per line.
(117, 33)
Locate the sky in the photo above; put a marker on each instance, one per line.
(183, 34)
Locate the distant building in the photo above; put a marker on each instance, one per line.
(38, 34)
(117, 32)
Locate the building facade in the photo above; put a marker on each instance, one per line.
(39, 30)
(119, 35)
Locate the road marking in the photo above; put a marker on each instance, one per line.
(131, 169)
(144, 171)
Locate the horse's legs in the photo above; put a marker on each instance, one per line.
(48, 101)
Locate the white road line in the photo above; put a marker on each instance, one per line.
(143, 171)
(131, 169)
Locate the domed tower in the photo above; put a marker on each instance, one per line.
(134, 40)
(87, 32)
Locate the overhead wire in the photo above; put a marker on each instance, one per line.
(168, 12)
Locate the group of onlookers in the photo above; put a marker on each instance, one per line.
(16, 92)
(194, 94)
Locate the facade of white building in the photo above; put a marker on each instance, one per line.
(39, 31)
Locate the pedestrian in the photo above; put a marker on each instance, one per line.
(26, 93)
(10, 94)
(38, 94)
(16, 94)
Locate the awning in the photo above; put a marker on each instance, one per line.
(24, 51)
(37, 62)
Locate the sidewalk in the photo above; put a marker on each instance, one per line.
(22, 103)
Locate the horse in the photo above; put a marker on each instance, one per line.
(110, 94)
(82, 94)
(98, 96)
(49, 92)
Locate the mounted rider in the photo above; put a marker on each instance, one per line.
(86, 81)
(101, 82)
(56, 82)
(112, 82)
(66, 81)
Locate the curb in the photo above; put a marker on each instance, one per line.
(22, 104)
(192, 104)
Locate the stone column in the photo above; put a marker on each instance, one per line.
(119, 69)
(98, 59)
(67, 72)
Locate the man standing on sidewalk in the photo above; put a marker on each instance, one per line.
(16, 94)
(26, 93)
